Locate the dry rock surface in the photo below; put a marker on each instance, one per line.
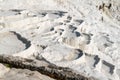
(24, 74)
(82, 35)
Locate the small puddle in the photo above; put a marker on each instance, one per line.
(12, 42)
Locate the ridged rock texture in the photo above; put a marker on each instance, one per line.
(82, 35)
